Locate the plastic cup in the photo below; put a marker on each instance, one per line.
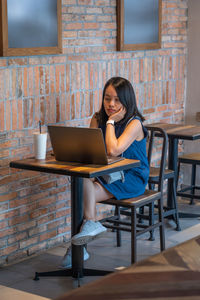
(40, 144)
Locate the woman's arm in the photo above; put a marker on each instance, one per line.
(93, 122)
(133, 131)
(115, 146)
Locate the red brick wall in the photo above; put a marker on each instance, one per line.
(66, 89)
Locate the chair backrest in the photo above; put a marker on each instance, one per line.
(158, 133)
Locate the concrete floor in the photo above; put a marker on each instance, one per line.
(16, 281)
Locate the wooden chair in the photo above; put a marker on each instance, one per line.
(149, 198)
(154, 180)
(192, 159)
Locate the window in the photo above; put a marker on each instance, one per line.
(138, 24)
(30, 27)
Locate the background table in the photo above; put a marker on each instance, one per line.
(77, 171)
(175, 133)
(171, 274)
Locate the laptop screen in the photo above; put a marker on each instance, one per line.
(78, 144)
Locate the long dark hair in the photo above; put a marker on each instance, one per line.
(126, 95)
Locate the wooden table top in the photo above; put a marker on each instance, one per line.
(50, 165)
(172, 274)
(181, 131)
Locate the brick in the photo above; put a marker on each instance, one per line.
(36, 248)
(174, 45)
(30, 77)
(18, 220)
(2, 112)
(47, 201)
(3, 244)
(71, 34)
(46, 81)
(68, 107)
(38, 60)
(4, 153)
(73, 26)
(51, 79)
(57, 78)
(56, 224)
(4, 172)
(39, 212)
(17, 61)
(20, 113)
(9, 249)
(72, 106)
(26, 226)
(92, 25)
(37, 230)
(3, 62)
(57, 109)
(7, 83)
(17, 237)
(85, 2)
(45, 219)
(61, 213)
(20, 151)
(14, 115)
(25, 82)
(8, 110)
(26, 209)
(28, 242)
(148, 111)
(68, 2)
(59, 206)
(3, 224)
(58, 190)
(7, 197)
(42, 80)
(48, 235)
(47, 185)
(19, 89)
(78, 105)
(55, 241)
(2, 84)
(63, 108)
(7, 232)
(36, 81)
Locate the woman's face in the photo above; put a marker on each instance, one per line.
(111, 101)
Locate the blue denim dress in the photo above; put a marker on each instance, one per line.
(136, 178)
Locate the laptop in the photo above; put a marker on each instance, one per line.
(79, 144)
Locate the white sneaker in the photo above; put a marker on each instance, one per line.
(89, 231)
(67, 258)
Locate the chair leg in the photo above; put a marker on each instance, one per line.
(118, 232)
(151, 214)
(178, 171)
(151, 220)
(161, 227)
(141, 212)
(133, 236)
(193, 180)
(176, 216)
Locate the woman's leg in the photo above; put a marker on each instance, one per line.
(93, 192)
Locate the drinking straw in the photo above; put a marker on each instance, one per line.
(40, 126)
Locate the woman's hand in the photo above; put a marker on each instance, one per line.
(118, 116)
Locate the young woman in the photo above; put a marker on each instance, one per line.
(124, 134)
